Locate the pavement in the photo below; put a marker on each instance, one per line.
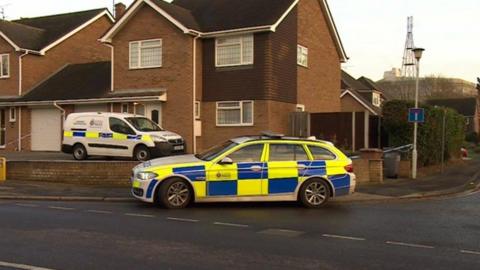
(440, 234)
(462, 177)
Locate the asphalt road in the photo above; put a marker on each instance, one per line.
(433, 234)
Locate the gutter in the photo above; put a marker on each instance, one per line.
(83, 101)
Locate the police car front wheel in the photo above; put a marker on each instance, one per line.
(314, 193)
(175, 193)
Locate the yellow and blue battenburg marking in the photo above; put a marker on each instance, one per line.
(258, 178)
(105, 135)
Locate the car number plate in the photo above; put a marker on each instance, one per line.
(178, 147)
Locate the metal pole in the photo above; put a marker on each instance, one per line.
(443, 138)
(415, 128)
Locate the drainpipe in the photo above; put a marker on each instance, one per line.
(20, 72)
(19, 129)
(112, 61)
(194, 90)
(61, 110)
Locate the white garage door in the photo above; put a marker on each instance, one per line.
(91, 108)
(46, 130)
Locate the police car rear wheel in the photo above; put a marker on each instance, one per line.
(141, 153)
(175, 193)
(79, 152)
(314, 193)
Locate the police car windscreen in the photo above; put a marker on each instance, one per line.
(143, 124)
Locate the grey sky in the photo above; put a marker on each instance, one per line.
(373, 31)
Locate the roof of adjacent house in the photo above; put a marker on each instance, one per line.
(77, 81)
(464, 106)
(218, 15)
(39, 32)
(349, 82)
(369, 84)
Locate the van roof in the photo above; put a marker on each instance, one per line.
(119, 115)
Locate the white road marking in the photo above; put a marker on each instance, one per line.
(282, 232)
(61, 208)
(470, 252)
(231, 224)
(26, 204)
(408, 244)
(344, 237)
(139, 215)
(22, 266)
(183, 219)
(99, 211)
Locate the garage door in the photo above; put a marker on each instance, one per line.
(46, 130)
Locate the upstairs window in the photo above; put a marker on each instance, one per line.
(234, 51)
(235, 113)
(146, 54)
(302, 56)
(4, 65)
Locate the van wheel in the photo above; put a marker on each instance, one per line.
(79, 152)
(141, 153)
(314, 193)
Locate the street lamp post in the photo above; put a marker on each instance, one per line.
(418, 55)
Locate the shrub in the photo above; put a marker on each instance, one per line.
(472, 137)
(400, 131)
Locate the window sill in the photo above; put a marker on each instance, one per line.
(236, 125)
(140, 68)
(302, 66)
(4, 77)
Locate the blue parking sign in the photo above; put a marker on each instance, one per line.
(416, 115)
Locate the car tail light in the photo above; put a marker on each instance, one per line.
(349, 168)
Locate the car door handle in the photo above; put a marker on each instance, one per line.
(301, 167)
(256, 168)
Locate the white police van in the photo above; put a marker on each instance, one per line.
(117, 135)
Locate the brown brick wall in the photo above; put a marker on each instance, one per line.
(349, 104)
(176, 74)
(9, 86)
(83, 47)
(268, 116)
(319, 84)
(89, 172)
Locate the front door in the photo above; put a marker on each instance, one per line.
(2, 128)
(153, 111)
(241, 178)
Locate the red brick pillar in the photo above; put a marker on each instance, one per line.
(373, 160)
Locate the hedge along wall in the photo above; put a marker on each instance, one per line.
(400, 131)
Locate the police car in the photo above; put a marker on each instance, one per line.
(252, 168)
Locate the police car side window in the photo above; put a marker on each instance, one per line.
(287, 152)
(119, 126)
(320, 153)
(250, 153)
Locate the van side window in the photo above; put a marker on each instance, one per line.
(119, 126)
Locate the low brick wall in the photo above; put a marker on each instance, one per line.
(103, 173)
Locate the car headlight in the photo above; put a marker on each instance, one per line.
(158, 139)
(146, 175)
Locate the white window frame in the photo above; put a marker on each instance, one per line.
(121, 107)
(3, 76)
(240, 102)
(12, 114)
(303, 53)
(139, 53)
(242, 63)
(300, 108)
(197, 109)
(376, 99)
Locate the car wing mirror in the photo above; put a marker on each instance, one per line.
(226, 161)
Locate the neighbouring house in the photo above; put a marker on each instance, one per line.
(360, 95)
(225, 68)
(31, 51)
(468, 107)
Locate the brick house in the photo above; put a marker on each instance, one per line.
(360, 95)
(32, 50)
(224, 68)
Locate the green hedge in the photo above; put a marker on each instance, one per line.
(400, 131)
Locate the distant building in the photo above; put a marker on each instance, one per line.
(392, 75)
